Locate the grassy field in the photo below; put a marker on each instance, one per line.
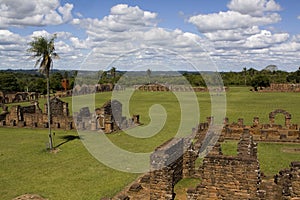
(241, 103)
(26, 167)
(272, 156)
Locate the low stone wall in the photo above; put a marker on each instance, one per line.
(281, 87)
(166, 169)
(227, 177)
(178, 88)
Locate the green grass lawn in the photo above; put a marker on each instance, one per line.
(272, 156)
(241, 103)
(26, 167)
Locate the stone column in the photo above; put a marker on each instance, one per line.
(255, 121)
(288, 120)
(226, 120)
(240, 122)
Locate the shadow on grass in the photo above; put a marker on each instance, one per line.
(67, 139)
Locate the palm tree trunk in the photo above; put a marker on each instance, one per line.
(49, 114)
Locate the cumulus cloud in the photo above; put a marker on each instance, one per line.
(34, 13)
(253, 7)
(240, 33)
(230, 20)
(235, 37)
(233, 34)
(122, 18)
(8, 38)
(265, 39)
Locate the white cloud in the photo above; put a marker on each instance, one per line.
(9, 38)
(235, 37)
(239, 37)
(232, 35)
(265, 39)
(34, 13)
(253, 7)
(122, 18)
(230, 20)
(78, 44)
(298, 17)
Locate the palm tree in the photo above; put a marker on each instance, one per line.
(43, 50)
(245, 75)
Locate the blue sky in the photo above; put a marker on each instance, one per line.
(230, 34)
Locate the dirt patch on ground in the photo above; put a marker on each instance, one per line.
(29, 197)
(290, 150)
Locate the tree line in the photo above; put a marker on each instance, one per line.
(22, 80)
(29, 81)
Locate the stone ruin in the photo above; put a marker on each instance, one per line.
(107, 118)
(271, 132)
(220, 176)
(89, 89)
(177, 88)
(229, 177)
(33, 116)
(281, 87)
(16, 97)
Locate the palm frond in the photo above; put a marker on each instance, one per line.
(43, 49)
(37, 61)
(55, 56)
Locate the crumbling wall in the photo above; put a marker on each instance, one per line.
(264, 132)
(107, 118)
(177, 88)
(32, 116)
(281, 87)
(166, 169)
(229, 177)
(288, 181)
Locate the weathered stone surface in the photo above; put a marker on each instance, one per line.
(29, 197)
(135, 187)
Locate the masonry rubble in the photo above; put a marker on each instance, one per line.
(220, 176)
(107, 118)
(33, 116)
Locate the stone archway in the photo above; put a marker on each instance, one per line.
(287, 115)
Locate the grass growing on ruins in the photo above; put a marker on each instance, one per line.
(26, 167)
(181, 187)
(273, 157)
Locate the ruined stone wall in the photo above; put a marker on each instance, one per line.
(33, 117)
(177, 88)
(288, 181)
(264, 132)
(166, 169)
(229, 177)
(18, 97)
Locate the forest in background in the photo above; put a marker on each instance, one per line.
(33, 81)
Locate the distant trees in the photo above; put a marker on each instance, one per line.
(110, 76)
(14, 81)
(9, 83)
(260, 81)
(195, 79)
(294, 77)
(55, 81)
